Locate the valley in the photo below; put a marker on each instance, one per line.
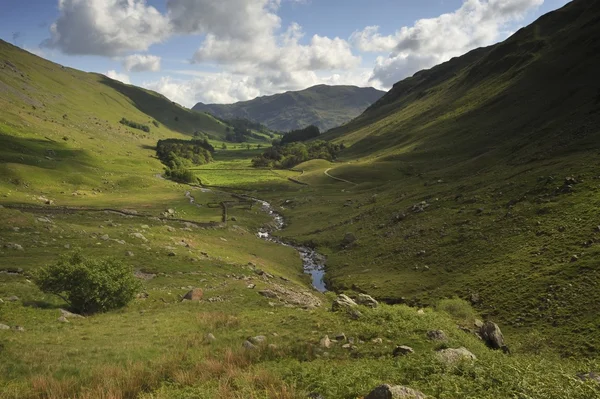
(461, 202)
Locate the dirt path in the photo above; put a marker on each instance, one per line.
(337, 178)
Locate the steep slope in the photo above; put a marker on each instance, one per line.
(323, 106)
(476, 178)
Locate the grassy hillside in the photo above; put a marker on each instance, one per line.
(322, 106)
(477, 178)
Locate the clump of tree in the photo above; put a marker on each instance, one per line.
(135, 125)
(309, 132)
(290, 155)
(180, 155)
(89, 285)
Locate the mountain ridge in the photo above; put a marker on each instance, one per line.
(322, 105)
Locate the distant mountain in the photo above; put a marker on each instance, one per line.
(322, 105)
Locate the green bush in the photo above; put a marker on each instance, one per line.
(459, 309)
(89, 285)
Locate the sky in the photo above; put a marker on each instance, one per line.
(223, 51)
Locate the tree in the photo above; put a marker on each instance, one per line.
(223, 146)
(88, 285)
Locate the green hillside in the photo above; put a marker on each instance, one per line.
(323, 106)
(476, 178)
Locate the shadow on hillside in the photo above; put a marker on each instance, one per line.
(148, 147)
(41, 153)
(43, 305)
(158, 107)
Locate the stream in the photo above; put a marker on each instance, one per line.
(313, 262)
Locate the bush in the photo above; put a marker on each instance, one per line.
(134, 125)
(89, 285)
(459, 309)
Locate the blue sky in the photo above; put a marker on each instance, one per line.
(230, 50)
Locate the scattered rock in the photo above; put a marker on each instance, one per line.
(16, 247)
(574, 258)
(44, 220)
(4, 327)
(402, 350)
(420, 311)
(142, 295)
(591, 376)
(19, 328)
(210, 337)
(104, 237)
(366, 300)
(129, 253)
(394, 392)
(171, 254)
(268, 293)
(325, 342)
(478, 323)
(259, 339)
(139, 236)
(343, 302)
(195, 294)
(492, 336)
(420, 207)
(68, 315)
(377, 340)
(249, 345)
(13, 298)
(454, 355)
(340, 337)
(292, 297)
(349, 239)
(354, 314)
(251, 286)
(437, 335)
(63, 319)
(474, 299)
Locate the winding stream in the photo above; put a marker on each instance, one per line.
(312, 261)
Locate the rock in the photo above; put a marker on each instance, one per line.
(452, 355)
(591, 376)
(13, 298)
(315, 395)
(354, 314)
(44, 220)
(420, 207)
(1, 301)
(142, 295)
(343, 302)
(139, 236)
(349, 238)
(210, 337)
(420, 311)
(195, 294)
(69, 315)
(346, 346)
(259, 339)
(394, 392)
(574, 258)
(366, 300)
(251, 286)
(171, 254)
(4, 327)
(478, 323)
(402, 350)
(437, 335)
(63, 319)
(492, 336)
(104, 237)
(340, 337)
(233, 219)
(14, 246)
(19, 328)
(325, 342)
(67, 246)
(474, 299)
(377, 340)
(248, 345)
(570, 180)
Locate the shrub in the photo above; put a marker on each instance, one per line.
(89, 285)
(134, 125)
(459, 309)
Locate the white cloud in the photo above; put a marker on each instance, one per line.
(106, 27)
(141, 63)
(434, 40)
(122, 77)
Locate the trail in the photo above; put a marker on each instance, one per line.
(337, 178)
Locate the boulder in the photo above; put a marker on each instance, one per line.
(325, 342)
(492, 336)
(195, 294)
(591, 376)
(349, 238)
(248, 345)
(259, 339)
(343, 302)
(402, 350)
(394, 392)
(437, 335)
(454, 355)
(366, 300)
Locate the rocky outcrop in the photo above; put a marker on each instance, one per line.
(343, 302)
(394, 392)
(492, 336)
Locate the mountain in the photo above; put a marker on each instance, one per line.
(476, 178)
(323, 106)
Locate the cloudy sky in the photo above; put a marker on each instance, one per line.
(230, 50)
